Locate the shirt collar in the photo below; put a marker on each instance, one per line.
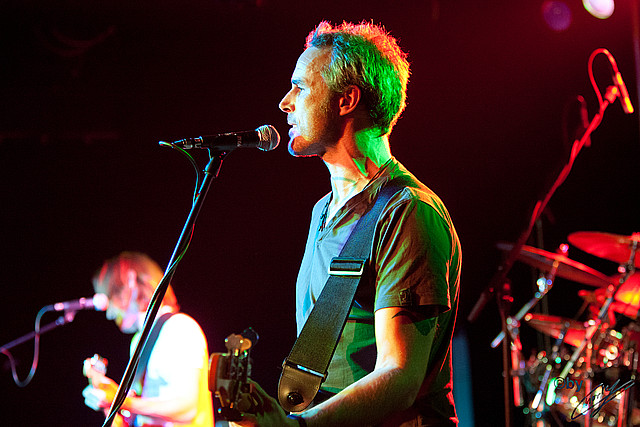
(371, 190)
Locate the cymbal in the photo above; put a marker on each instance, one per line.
(567, 268)
(612, 247)
(629, 293)
(626, 301)
(553, 325)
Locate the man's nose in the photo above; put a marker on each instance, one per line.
(285, 104)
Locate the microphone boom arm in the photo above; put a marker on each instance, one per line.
(211, 172)
(499, 281)
(500, 276)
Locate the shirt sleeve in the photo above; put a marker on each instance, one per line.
(413, 256)
(180, 349)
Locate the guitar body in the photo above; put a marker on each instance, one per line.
(94, 368)
(120, 421)
(228, 375)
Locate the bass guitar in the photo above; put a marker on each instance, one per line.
(94, 368)
(229, 373)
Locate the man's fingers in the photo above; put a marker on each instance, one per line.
(256, 387)
(94, 398)
(264, 401)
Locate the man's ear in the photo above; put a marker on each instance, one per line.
(349, 100)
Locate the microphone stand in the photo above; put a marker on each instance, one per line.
(211, 172)
(500, 278)
(38, 330)
(62, 320)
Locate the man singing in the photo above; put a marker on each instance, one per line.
(392, 365)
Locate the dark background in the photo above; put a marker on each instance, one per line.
(88, 88)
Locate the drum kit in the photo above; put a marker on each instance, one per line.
(587, 375)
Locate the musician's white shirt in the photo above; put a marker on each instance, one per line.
(180, 348)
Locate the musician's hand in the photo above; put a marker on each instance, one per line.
(266, 412)
(100, 393)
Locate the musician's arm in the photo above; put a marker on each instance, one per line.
(180, 406)
(404, 342)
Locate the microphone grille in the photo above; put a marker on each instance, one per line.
(100, 302)
(269, 137)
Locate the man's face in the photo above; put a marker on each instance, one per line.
(124, 310)
(308, 104)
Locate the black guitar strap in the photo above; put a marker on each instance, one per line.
(306, 366)
(148, 347)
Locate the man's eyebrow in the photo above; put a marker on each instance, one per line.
(296, 82)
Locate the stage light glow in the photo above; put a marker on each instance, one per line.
(601, 9)
(556, 14)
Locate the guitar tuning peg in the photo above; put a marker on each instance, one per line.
(245, 344)
(233, 342)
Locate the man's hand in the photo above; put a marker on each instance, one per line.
(268, 412)
(100, 393)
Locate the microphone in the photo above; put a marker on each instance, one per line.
(265, 138)
(99, 302)
(627, 106)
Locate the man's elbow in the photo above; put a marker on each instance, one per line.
(184, 409)
(408, 387)
(186, 416)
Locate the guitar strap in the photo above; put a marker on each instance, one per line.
(148, 347)
(306, 366)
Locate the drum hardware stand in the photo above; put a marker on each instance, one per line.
(625, 396)
(510, 328)
(540, 284)
(546, 287)
(505, 300)
(623, 406)
(590, 332)
(539, 402)
(517, 364)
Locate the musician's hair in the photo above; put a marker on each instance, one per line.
(365, 55)
(112, 278)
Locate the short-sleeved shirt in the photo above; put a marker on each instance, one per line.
(415, 263)
(180, 349)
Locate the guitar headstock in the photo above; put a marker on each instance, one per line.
(94, 367)
(237, 344)
(229, 372)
